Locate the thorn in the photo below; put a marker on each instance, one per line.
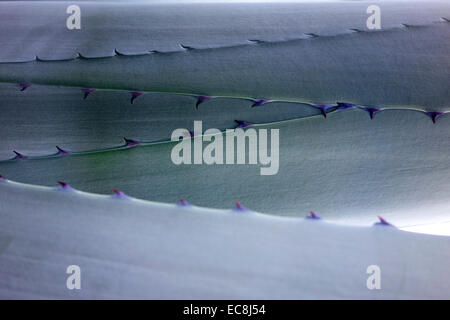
(61, 151)
(80, 56)
(183, 203)
(134, 95)
(434, 115)
(19, 155)
(240, 207)
(372, 111)
(87, 92)
(24, 86)
(129, 142)
(313, 216)
(119, 194)
(201, 99)
(64, 186)
(445, 19)
(242, 124)
(382, 222)
(186, 47)
(117, 53)
(259, 102)
(324, 108)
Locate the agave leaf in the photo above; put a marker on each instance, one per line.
(371, 167)
(384, 69)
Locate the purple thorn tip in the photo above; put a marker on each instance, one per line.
(382, 222)
(201, 99)
(64, 186)
(324, 108)
(312, 215)
(61, 151)
(434, 115)
(19, 155)
(134, 95)
(372, 112)
(240, 207)
(24, 86)
(119, 194)
(259, 102)
(183, 203)
(129, 142)
(87, 92)
(242, 124)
